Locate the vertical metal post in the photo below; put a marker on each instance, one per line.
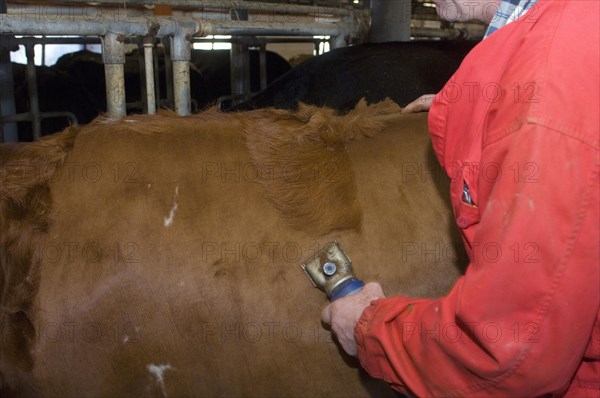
(155, 59)
(240, 63)
(240, 60)
(7, 95)
(168, 73)
(7, 91)
(181, 56)
(337, 41)
(32, 90)
(43, 53)
(141, 56)
(149, 67)
(263, 66)
(390, 20)
(113, 56)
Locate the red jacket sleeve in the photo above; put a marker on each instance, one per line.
(519, 321)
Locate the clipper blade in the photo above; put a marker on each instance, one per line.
(328, 268)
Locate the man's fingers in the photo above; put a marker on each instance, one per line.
(421, 104)
(326, 314)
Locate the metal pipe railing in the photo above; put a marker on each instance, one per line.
(251, 28)
(54, 40)
(28, 117)
(83, 26)
(143, 26)
(179, 30)
(250, 40)
(231, 5)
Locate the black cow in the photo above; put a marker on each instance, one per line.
(213, 66)
(58, 91)
(338, 79)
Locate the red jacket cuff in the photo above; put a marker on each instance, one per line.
(371, 353)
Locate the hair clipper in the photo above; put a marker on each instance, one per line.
(330, 270)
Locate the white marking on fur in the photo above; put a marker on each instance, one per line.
(158, 371)
(125, 339)
(169, 219)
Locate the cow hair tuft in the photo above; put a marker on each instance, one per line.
(303, 165)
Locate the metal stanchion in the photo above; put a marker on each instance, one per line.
(149, 68)
(32, 90)
(181, 56)
(114, 62)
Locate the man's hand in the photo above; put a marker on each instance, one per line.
(421, 104)
(343, 314)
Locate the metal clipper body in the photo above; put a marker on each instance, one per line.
(330, 270)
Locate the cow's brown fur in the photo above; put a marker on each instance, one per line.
(160, 301)
(25, 201)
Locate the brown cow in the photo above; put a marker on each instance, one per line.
(158, 255)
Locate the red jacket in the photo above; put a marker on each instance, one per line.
(518, 125)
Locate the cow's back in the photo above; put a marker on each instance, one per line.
(169, 266)
(402, 71)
